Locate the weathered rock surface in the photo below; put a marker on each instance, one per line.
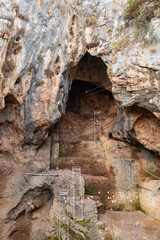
(130, 226)
(150, 197)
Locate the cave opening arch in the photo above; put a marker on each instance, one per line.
(74, 134)
(90, 90)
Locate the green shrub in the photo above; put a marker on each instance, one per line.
(140, 12)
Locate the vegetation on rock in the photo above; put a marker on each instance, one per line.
(140, 12)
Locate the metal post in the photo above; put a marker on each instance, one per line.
(97, 134)
(64, 201)
(77, 194)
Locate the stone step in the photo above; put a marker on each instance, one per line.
(99, 204)
(98, 186)
(92, 166)
(77, 148)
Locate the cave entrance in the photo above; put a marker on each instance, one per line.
(74, 135)
(85, 98)
(90, 91)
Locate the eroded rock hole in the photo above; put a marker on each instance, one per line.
(30, 212)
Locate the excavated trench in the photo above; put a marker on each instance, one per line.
(78, 135)
(110, 161)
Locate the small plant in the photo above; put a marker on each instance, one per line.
(136, 33)
(71, 3)
(126, 38)
(91, 20)
(117, 45)
(114, 59)
(120, 44)
(152, 50)
(120, 27)
(78, 7)
(113, 44)
(109, 31)
(144, 43)
(1, 77)
(101, 227)
(140, 12)
(109, 71)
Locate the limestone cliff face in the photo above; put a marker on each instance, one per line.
(42, 40)
(42, 43)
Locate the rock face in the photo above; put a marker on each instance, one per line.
(117, 226)
(45, 46)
